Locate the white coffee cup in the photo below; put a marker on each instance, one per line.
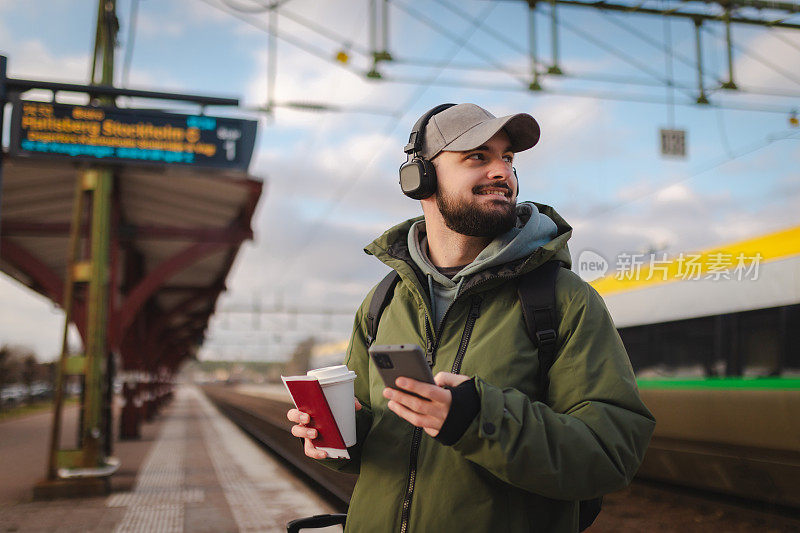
(337, 385)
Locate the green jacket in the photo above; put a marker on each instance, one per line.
(522, 465)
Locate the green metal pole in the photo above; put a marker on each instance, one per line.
(97, 330)
(373, 39)
(701, 99)
(554, 68)
(93, 437)
(730, 84)
(534, 86)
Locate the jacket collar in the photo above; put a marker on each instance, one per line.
(392, 249)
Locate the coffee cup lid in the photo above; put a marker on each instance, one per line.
(330, 374)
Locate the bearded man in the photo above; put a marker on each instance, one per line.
(503, 441)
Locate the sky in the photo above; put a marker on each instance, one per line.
(331, 177)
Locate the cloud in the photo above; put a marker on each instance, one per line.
(32, 58)
(28, 319)
(677, 218)
(150, 25)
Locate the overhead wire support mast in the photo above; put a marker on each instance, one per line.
(730, 84)
(554, 68)
(534, 85)
(701, 98)
(378, 20)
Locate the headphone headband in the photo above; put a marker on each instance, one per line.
(418, 131)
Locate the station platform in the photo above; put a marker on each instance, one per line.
(193, 470)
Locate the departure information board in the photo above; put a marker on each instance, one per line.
(130, 136)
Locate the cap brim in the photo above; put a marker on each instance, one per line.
(522, 130)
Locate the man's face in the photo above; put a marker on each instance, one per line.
(476, 191)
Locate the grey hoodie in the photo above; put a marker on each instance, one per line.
(532, 230)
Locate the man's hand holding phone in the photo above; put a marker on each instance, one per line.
(302, 420)
(429, 408)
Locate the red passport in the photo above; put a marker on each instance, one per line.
(308, 397)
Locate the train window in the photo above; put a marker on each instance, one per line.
(764, 342)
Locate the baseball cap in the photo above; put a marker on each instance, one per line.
(467, 126)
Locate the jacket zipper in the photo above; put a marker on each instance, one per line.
(474, 313)
(430, 351)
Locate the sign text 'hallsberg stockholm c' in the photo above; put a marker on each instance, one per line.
(130, 136)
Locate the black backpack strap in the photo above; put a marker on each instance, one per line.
(537, 295)
(380, 299)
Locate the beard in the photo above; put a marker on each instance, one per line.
(468, 218)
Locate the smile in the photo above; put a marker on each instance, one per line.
(491, 191)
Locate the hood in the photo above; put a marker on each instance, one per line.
(529, 244)
(531, 231)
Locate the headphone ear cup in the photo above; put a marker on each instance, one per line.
(418, 178)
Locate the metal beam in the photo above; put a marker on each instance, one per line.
(790, 7)
(129, 232)
(46, 281)
(148, 286)
(22, 85)
(680, 14)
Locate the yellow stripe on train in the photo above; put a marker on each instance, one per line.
(734, 261)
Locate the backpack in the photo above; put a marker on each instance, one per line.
(537, 294)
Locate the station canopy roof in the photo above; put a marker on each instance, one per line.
(178, 231)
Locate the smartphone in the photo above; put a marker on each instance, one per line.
(396, 360)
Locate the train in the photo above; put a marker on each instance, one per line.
(714, 339)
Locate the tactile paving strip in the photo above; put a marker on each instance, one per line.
(156, 503)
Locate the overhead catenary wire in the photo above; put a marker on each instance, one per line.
(580, 93)
(618, 53)
(716, 163)
(294, 41)
(341, 40)
(348, 185)
(757, 57)
(426, 20)
(500, 37)
(777, 34)
(317, 52)
(614, 19)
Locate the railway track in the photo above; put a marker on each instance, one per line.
(265, 420)
(643, 506)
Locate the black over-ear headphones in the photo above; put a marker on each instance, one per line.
(417, 174)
